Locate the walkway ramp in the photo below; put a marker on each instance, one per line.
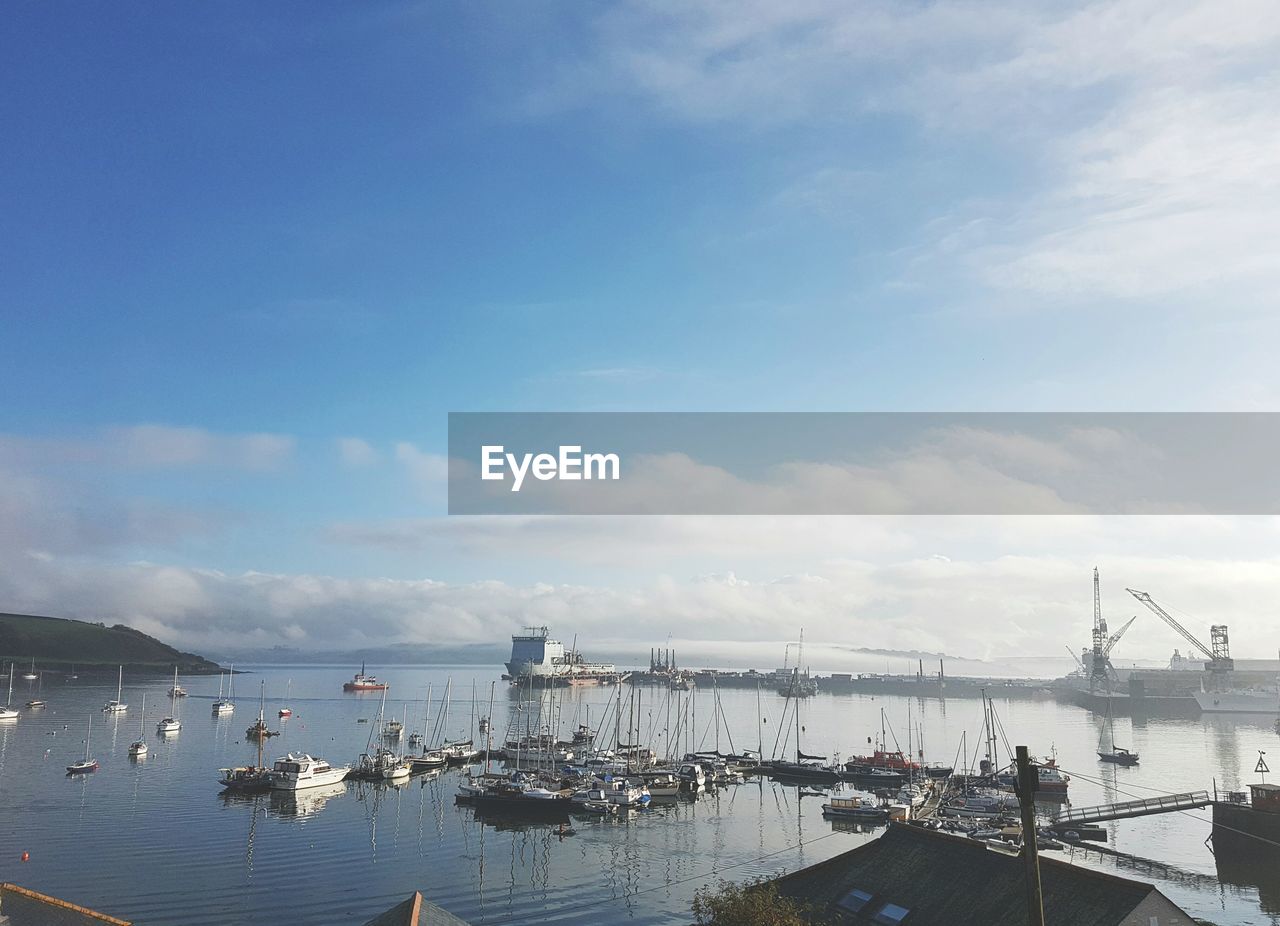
(1168, 803)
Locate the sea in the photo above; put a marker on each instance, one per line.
(155, 841)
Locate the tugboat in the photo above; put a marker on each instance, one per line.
(363, 682)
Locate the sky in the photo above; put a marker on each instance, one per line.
(255, 254)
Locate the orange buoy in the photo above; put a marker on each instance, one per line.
(26, 856)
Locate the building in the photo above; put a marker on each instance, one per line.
(415, 911)
(22, 907)
(918, 877)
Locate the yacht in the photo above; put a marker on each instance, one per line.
(86, 764)
(856, 808)
(168, 725)
(225, 705)
(138, 748)
(31, 676)
(177, 691)
(9, 712)
(294, 773)
(117, 706)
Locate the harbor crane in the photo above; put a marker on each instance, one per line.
(1218, 652)
(1100, 668)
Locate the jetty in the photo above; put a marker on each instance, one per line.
(1168, 803)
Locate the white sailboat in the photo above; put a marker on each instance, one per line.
(31, 676)
(9, 712)
(286, 711)
(117, 706)
(138, 748)
(170, 724)
(86, 764)
(225, 705)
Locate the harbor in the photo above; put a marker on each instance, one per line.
(352, 847)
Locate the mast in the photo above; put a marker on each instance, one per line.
(120, 684)
(759, 727)
(488, 743)
(142, 719)
(87, 736)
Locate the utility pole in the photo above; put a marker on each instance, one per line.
(1028, 778)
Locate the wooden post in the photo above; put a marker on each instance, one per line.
(1028, 779)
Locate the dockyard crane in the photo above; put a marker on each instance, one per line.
(1218, 653)
(1100, 668)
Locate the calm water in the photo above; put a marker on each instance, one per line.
(154, 842)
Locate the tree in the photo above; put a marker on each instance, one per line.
(757, 903)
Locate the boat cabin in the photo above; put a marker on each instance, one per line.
(1265, 798)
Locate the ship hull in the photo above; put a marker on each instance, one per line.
(1239, 702)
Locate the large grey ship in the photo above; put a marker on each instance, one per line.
(539, 661)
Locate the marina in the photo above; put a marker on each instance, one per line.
(487, 864)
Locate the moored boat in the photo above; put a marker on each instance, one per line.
(138, 748)
(855, 808)
(363, 682)
(87, 764)
(117, 706)
(296, 772)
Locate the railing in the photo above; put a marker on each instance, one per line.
(1168, 803)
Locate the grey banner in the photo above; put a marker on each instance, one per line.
(863, 463)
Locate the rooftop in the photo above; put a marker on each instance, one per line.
(916, 876)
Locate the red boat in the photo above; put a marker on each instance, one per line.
(364, 682)
(893, 761)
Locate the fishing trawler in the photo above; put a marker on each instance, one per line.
(363, 682)
(540, 662)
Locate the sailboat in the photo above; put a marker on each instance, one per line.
(225, 705)
(86, 764)
(805, 768)
(382, 764)
(31, 676)
(1117, 755)
(259, 730)
(249, 777)
(170, 724)
(286, 711)
(117, 706)
(9, 712)
(138, 748)
(177, 691)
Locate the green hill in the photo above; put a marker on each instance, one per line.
(58, 644)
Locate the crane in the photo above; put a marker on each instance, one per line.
(1219, 651)
(1100, 668)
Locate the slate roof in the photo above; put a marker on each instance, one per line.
(956, 881)
(415, 912)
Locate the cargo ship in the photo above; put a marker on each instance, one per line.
(541, 662)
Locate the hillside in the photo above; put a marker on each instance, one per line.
(56, 643)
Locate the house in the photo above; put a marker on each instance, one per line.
(20, 906)
(415, 911)
(912, 876)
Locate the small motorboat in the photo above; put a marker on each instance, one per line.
(168, 725)
(36, 703)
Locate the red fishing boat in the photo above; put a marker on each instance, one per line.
(364, 682)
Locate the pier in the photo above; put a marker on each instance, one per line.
(1169, 803)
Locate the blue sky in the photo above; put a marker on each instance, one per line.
(337, 222)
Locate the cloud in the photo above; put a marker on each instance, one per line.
(1143, 137)
(152, 446)
(429, 472)
(993, 607)
(356, 452)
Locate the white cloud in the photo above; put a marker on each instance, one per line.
(356, 452)
(152, 446)
(991, 607)
(429, 472)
